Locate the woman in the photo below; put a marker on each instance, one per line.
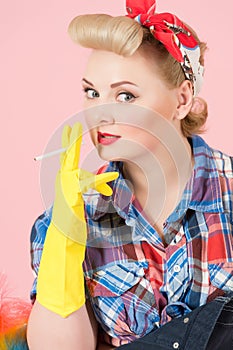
(159, 247)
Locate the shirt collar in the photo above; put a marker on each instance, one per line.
(202, 192)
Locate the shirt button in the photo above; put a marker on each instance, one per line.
(176, 345)
(186, 320)
(177, 268)
(107, 232)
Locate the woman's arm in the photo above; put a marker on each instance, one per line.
(47, 330)
(59, 318)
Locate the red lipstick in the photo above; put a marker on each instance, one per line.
(105, 138)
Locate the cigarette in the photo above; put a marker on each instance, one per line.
(50, 154)
(53, 153)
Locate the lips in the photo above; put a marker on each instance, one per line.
(106, 138)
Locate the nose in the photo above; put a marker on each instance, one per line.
(99, 115)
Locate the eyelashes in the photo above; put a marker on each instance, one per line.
(123, 96)
(90, 93)
(126, 97)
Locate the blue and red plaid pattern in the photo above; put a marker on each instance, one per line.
(133, 281)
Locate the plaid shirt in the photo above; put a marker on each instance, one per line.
(133, 281)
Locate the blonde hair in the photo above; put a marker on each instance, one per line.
(125, 36)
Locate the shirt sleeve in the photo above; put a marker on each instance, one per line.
(37, 238)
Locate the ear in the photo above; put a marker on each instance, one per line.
(185, 99)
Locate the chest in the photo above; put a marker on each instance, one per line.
(196, 245)
(132, 275)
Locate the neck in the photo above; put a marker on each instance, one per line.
(158, 180)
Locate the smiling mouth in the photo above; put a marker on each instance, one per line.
(107, 139)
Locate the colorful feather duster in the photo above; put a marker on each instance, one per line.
(14, 313)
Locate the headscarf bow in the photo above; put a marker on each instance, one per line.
(173, 34)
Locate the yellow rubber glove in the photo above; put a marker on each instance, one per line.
(60, 286)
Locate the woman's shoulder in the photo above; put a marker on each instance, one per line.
(224, 163)
(224, 169)
(215, 160)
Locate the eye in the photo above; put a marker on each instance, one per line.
(125, 97)
(91, 93)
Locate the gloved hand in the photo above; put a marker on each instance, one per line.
(60, 286)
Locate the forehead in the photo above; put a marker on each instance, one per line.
(108, 64)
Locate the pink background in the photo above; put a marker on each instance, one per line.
(40, 74)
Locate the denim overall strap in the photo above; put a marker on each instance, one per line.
(189, 332)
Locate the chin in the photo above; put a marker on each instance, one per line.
(107, 155)
(109, 159)
(123, 151)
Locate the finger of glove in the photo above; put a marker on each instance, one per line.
(105, 177)
(72, 155)
(104, 189)
(101, 182)
(97, 182)
(65, 140)
(66, 136)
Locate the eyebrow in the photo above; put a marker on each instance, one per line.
(114, 85)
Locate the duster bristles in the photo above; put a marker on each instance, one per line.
(14, 313)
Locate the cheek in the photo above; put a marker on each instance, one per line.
(150, 142)
(140, 136)
(163, 103)
(129, 132)
(93, 133)
(88, 102)
(91, 124)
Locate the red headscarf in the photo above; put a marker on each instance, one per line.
(173, 34)
(165, 27)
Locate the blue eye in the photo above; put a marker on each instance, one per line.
(125, 97)
(91, 93)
